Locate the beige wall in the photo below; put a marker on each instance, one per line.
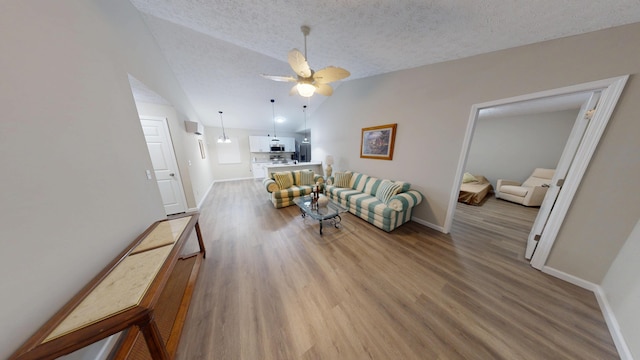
(431, 105)
(622, 288)
(73, 158)
(510, 147)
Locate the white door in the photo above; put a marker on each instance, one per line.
(165, 166)
(564, 164)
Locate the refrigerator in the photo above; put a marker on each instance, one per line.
(305, 152)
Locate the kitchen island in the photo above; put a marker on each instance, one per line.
(316, 166)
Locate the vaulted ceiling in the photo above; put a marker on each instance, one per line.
(217, 49)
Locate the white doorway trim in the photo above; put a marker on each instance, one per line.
(611, 89)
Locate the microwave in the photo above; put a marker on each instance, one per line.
(277, 147)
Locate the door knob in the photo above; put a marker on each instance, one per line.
(172, 174)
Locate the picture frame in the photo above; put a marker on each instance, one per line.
(377, 142)
(203, 154)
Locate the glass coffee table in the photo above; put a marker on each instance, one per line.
(329, 212)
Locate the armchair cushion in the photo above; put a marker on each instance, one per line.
(515, 190)
(283, 179)
(531, 192)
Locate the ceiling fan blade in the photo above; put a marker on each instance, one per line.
(329, 74)
(324, 89)
(299, 63)
(279, 78)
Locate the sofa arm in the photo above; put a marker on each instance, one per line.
(405, 200)
(270, 185)
(501, 182)
(535, 196)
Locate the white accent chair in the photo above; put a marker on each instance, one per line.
(529, 193)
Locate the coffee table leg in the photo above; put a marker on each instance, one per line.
(320, 227)
(336, 223)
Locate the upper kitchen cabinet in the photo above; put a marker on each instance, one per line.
(259, 143)
(289, 144)
(263, 143)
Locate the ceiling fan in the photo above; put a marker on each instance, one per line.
(309, 81)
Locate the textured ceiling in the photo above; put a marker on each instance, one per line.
(218, 48)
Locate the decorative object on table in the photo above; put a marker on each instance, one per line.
(377, 142)
(315, 194)
(308, 81)
(329, 161)
(323, 201)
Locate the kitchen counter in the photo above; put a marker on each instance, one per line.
(316, 166)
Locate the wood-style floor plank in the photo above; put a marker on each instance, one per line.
(272, 288)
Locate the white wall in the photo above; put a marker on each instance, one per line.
(510, 147)
(240, 170)
(622, 289)
(72, 153)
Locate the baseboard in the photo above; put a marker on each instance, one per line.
(428, 224)
(603, 302)
(235, 179)
(206, 194)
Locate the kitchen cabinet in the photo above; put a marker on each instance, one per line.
(258, 170)
(263, 143)
(289, 144)
(259, 143)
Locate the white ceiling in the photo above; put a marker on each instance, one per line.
(218, 48)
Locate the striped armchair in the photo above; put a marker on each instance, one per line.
(386, 204)
(285, 186)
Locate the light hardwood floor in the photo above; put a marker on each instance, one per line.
(272, 288)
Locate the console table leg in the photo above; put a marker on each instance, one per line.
(200, 241)
(154, 341)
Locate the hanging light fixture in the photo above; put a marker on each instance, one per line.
(273, 110)
(304, 110)
(223, 138)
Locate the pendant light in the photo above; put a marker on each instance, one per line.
(273, 110)
(223, 138)
(306, 139)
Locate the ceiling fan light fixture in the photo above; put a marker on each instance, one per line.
(305, 89)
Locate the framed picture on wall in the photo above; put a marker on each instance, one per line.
(203, 154)
(377, 142)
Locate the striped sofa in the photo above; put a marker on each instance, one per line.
(294, 185)
(386, 204)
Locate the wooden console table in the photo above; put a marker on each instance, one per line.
(124, 297)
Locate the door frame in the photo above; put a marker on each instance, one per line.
(611, 89)
(167, 131)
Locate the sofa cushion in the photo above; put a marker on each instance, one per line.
(514, 190)
(343, 179)
(358, 181)
(292, 192)
(283, 179)
(386, 190)
(371, 186)
(306, 177)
